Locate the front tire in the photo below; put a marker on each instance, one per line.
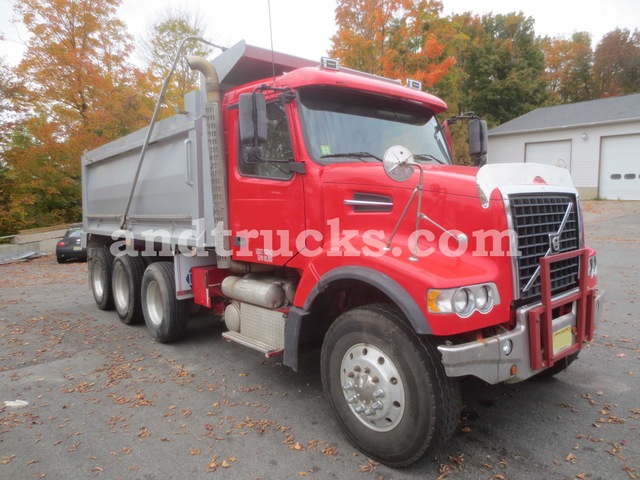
(126, 284)
(387, 386)
(100, 271)
(166, 317)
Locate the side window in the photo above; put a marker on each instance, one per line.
(277, 148)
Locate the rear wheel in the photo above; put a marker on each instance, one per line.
(166, 317)
(100, 270)
(126, 284)
(387, 386)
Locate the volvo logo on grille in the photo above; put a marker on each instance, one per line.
(554, 242)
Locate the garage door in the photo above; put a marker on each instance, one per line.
(620, 168)
(557, 154)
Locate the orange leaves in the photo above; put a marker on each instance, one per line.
(391, 38)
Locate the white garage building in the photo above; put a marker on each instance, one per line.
(597, 141)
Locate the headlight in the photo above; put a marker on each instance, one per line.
(484, 299)
(463, 301)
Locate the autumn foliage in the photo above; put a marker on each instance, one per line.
(392, 38)
(76, 87)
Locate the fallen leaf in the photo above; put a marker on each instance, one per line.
(444, 471)
(570, 458)
(370, 467)
(329, 451)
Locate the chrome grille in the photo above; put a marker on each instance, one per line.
(536, 219)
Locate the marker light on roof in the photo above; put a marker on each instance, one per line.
(329, 63)
(415, 84)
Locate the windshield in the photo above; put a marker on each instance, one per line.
(346, 126)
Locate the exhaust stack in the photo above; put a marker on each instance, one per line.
(215, 140)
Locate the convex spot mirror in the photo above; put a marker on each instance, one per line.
(398, 163)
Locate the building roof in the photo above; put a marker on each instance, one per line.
(604, 110)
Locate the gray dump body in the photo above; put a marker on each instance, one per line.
(172, 200)
(172, 197)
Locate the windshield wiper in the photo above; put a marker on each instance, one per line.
(358, 155)
(427, 156)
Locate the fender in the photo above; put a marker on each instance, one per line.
(383, 282)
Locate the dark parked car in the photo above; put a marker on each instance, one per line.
(71, 245)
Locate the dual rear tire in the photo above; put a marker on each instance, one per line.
(139, 292)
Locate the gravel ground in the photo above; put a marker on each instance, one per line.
(84, 396)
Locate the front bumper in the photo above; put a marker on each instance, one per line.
(488, 360)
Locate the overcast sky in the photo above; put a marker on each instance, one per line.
(304, 27)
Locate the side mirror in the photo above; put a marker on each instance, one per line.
(478, 138)
(253, 119)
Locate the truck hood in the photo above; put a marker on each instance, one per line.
(453, 179)
(450, 178)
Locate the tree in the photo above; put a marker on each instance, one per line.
(159, 46)
(392, 38)
(568, 67)
(616, 63)
(82, 92)
(505, 69)
(12, 92)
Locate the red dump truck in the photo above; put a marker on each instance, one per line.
(305, 205)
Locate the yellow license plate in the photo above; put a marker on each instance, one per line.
(77, 249)
(562, 339)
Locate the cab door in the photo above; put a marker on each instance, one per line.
(266, 199)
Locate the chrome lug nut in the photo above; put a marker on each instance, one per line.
(379, 393)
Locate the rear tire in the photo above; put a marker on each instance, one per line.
(387, 386)
(100, 270)
(126, 283)
(166, 317)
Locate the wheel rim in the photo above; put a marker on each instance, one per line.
(120, 289)
(97, 280)
(372, 387)
(154, 303)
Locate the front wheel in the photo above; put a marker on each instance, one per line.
(166, 317)
(387, 386)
